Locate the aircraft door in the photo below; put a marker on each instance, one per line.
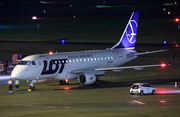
(116, 60)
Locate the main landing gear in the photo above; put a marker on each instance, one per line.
(97, 83)
(64, 82)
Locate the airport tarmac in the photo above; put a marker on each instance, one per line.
(111, 98)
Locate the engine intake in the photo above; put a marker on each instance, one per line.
(87, 79)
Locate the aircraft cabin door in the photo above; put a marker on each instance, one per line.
(116, 58)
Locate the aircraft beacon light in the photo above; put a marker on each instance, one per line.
(50, 52)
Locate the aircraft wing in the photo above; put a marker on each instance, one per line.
(101, 71)
(129, 67)
(139, 67)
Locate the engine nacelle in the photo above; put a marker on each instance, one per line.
(87, 79)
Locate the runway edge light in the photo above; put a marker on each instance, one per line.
(175, 84)
(176, 19)
(165, 42)
(34, 17)
(62, 41)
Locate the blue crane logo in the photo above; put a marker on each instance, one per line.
(131, 31)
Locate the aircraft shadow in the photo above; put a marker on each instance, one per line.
(107, 84)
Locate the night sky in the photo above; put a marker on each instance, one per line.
(61, 8)
(18, 14)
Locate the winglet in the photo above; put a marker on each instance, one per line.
(128, 38)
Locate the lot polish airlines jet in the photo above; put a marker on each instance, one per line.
(84, 65)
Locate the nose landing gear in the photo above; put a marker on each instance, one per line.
(32, 85)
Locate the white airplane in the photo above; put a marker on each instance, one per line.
(84, 65)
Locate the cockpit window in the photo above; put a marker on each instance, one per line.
(27, 63)
(33, 63)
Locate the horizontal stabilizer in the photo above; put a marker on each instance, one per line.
(136, 54)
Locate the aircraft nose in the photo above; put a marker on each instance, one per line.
(14, 74)
(17, 72)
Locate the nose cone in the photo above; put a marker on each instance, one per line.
(15, 73)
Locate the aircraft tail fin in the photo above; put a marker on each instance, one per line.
(19, 55)
(128, 38)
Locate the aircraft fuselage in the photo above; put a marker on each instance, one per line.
(61, 65)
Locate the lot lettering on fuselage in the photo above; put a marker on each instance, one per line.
(53, 66)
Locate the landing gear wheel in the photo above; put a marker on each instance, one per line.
(61, 82)
(32, 88)
(64, 82)
(97, 83)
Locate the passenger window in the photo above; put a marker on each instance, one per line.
(84, 59)
(95, 59)
(62, 61)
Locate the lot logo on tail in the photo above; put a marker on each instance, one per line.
(130, 33)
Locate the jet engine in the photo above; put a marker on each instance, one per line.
(87, 79)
